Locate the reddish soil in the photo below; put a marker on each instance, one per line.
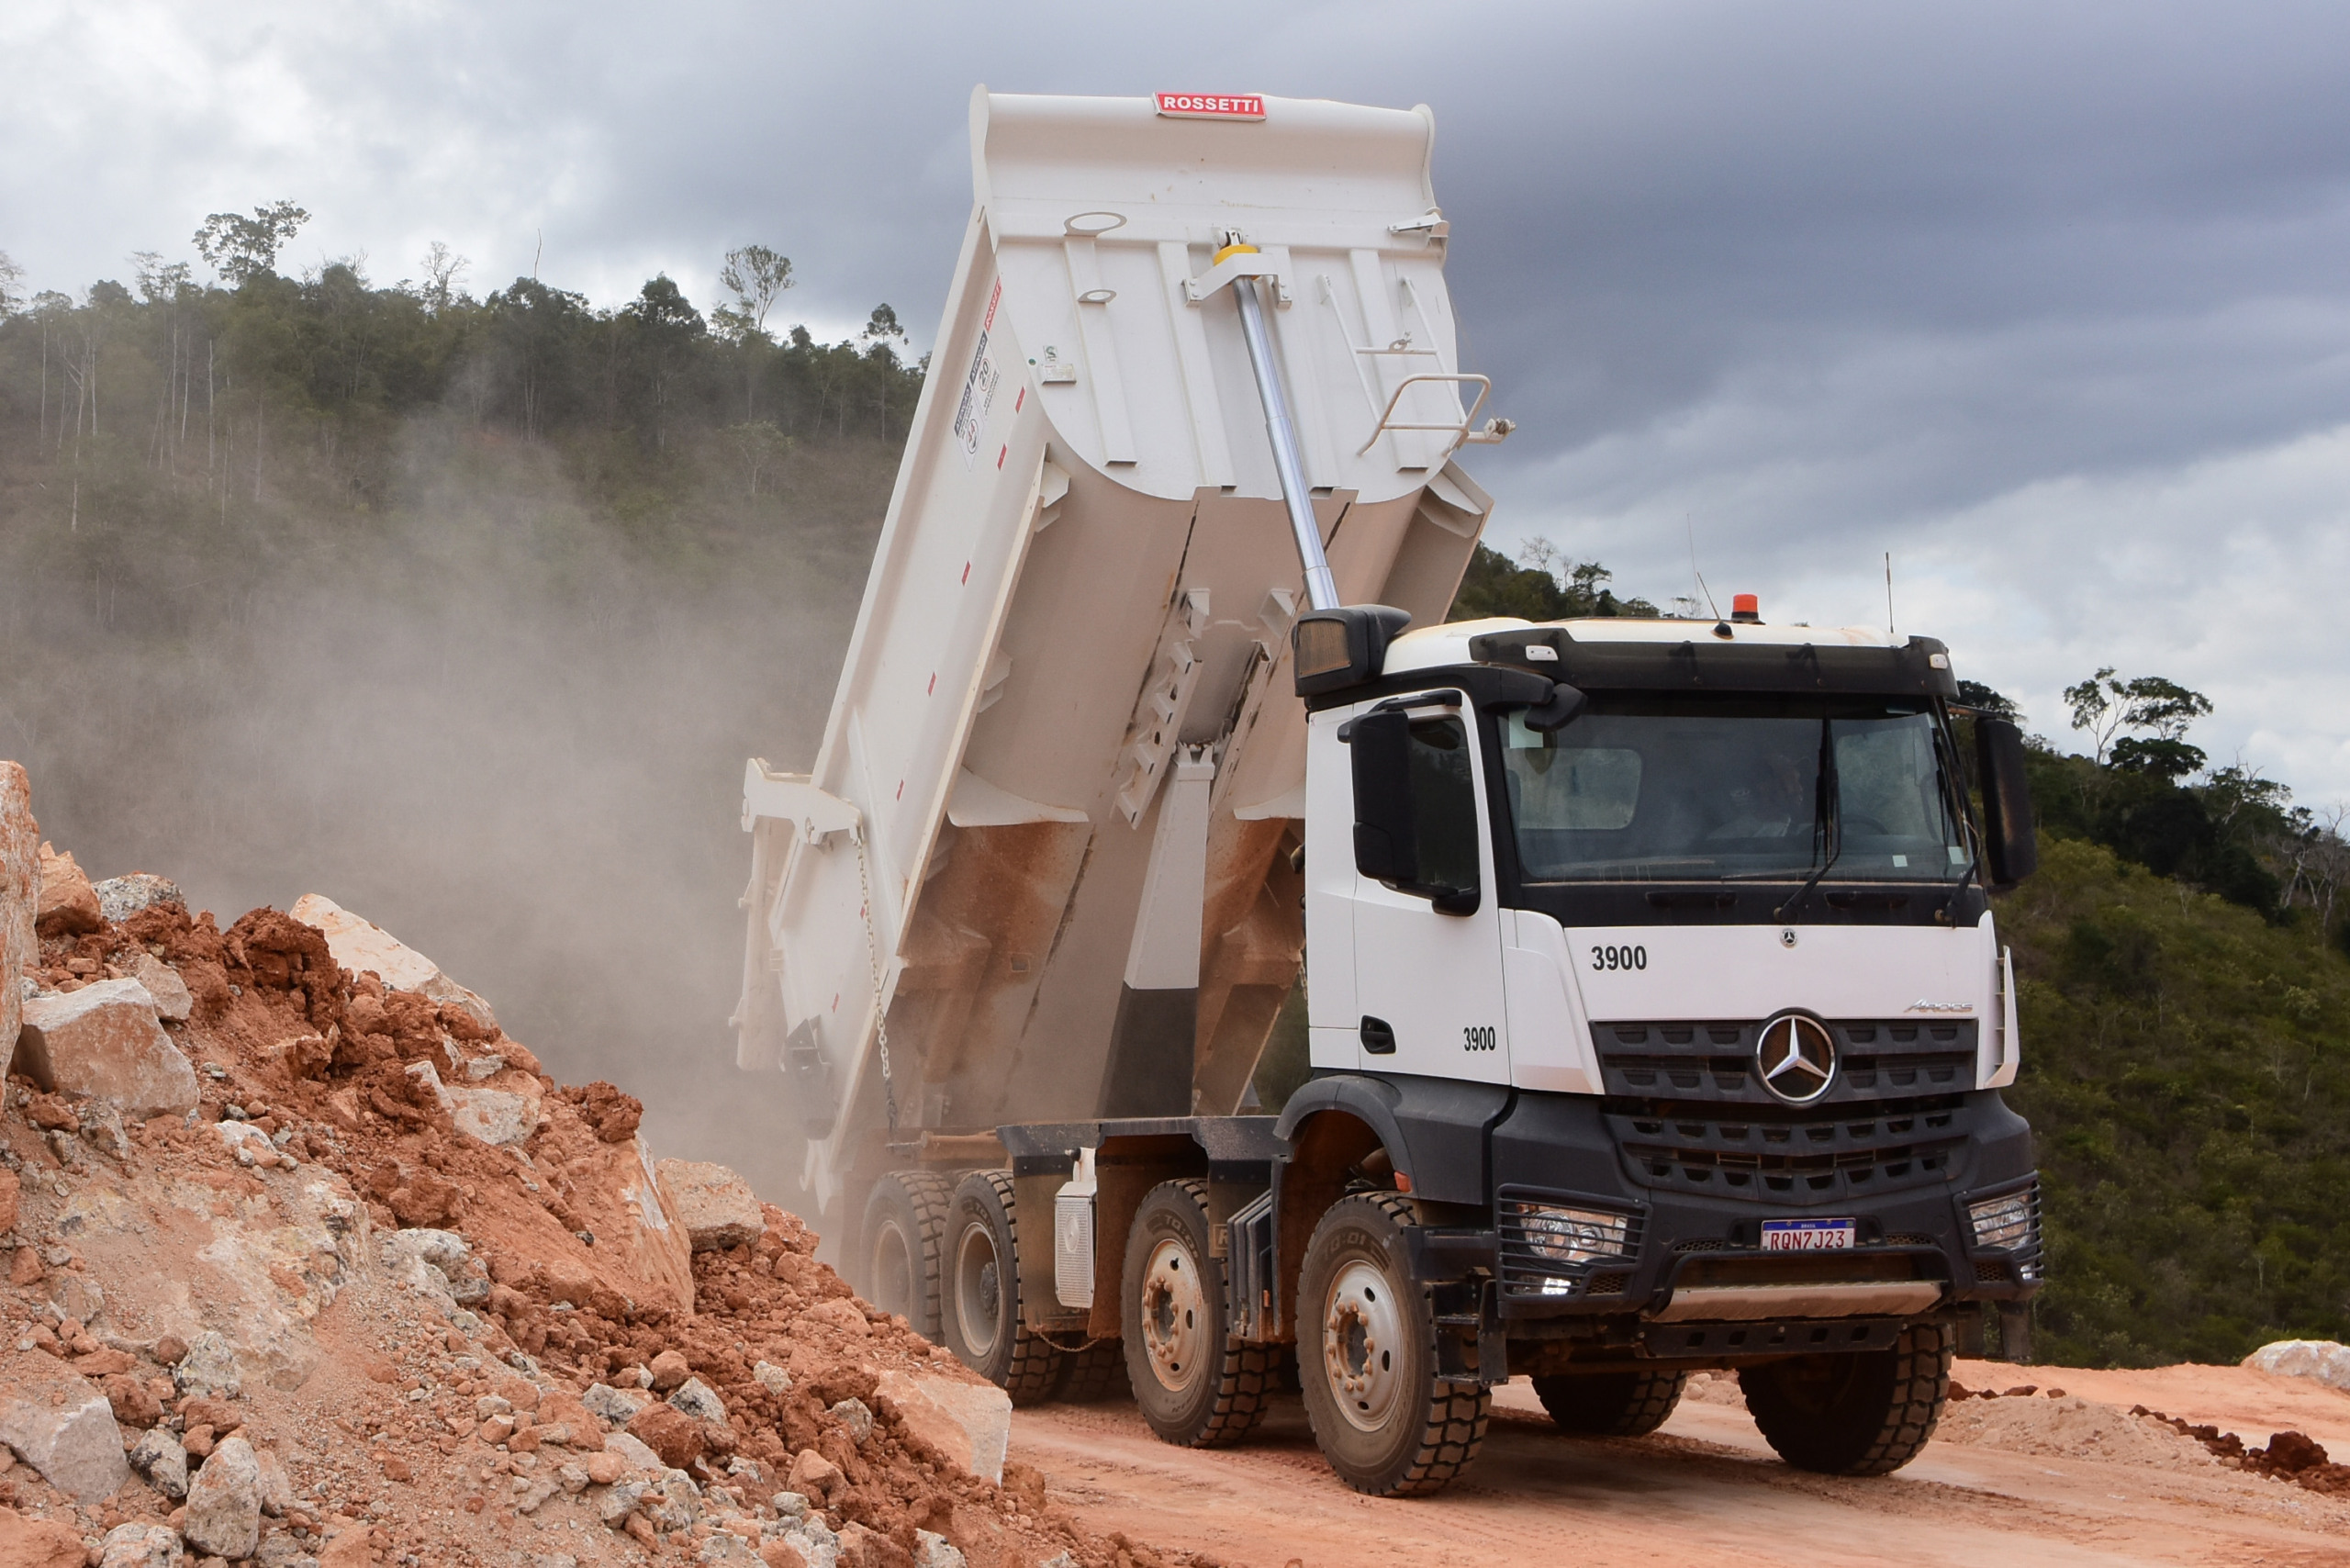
(370, 1396)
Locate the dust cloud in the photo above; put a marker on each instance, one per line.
(506, 726)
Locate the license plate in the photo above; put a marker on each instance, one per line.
(1807, 1235)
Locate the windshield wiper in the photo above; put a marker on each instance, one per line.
(1829, 817)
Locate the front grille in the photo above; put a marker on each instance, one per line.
(1714, 1061)
(1789, 1157)
(1987, 1272)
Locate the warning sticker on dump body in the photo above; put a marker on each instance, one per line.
(980, 383)
(1211, 106)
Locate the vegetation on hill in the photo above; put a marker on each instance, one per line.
(463, 608)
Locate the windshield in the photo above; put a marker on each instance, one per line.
(1761, 788)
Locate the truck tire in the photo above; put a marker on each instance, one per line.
(1096, 1372)
(1610, 1404)
(1862, 1414)
(905, 1235)
(979, 1292)
(1196, 1385)
(1367, 1357)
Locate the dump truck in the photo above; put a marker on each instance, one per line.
(1656, 1016)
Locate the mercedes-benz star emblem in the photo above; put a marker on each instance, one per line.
(1796, 1058)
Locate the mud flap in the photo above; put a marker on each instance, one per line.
(1471, 1348)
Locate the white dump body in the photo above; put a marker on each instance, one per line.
(1047, 830)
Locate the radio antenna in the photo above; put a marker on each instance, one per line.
(1888, 593)
(1696, 576)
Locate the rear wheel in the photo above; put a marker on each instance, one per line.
(980, 1310)
(905, 1225)
(1367, 1357)
(1196, 1385)
(1610, 1404)
(1097, 1372)
(1857, 1414)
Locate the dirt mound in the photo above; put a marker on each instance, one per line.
(441, 1301)
(2065, 1426)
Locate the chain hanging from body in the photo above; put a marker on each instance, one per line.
(873, 959)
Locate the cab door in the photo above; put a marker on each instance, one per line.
(1427, 932)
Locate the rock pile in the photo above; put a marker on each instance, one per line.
(307, 1267)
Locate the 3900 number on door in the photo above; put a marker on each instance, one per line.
(1605, 958)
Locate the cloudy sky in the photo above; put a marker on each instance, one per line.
(2048, 300)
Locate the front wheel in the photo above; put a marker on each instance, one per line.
(1612, 1403)
(1863, 1412)
(1367, 1357)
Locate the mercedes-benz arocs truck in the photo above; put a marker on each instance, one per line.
(1656, 1014)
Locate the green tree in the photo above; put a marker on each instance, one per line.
(242, 249)
(756, 276)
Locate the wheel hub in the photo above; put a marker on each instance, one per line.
(1174, 1315)
(979, 1291)
(1362, 1335)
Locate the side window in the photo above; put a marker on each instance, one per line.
(1444, 803)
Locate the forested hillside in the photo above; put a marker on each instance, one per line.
(463, 608)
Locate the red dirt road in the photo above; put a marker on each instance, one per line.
(2016, 1481)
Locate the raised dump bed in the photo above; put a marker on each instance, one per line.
(1048, 837)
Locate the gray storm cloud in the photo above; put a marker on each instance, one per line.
(2047, 301)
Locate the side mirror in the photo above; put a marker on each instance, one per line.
(2010, 851)
(1565, 701)
(1386, 841)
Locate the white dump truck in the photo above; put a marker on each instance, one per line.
(1656, 1020)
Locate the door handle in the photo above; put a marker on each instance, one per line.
(1378, 1039)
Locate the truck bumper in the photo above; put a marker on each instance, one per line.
(1621, 1227)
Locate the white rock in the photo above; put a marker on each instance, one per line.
(209, 1367)
(2321, 1360)
(141, 1546)
(493, 1115)
(853, 1415)
(620, 1500)
(103, 1041)
(696, 1399)
(970, 1423)
(934, 1550)
(633, 1452)
(614, 1407)
(224, 1502)
(119, 898)
(75, 1442)
(277, 1498)
(772, 1378)
(362, 946)
(162, 1461)
(163, 983)
(716, 1207)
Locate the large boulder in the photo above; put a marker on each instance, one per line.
(68, 905)
(62, 1426)
(104, 1042)
(2320, 1360)
(172, 999)
(19, 900)
(224, 1503)
(363, 946)
(119, 898)
(716, 1207)
(966, 1423)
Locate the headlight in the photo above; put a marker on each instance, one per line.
(1560, 1235)
(2004, 1223)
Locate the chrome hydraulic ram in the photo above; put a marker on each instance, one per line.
(1321, 588)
